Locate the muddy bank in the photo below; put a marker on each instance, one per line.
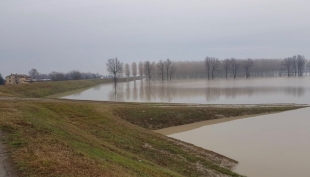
(192, 126)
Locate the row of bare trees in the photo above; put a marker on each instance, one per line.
(213, 65)
(295, 63)
(147, 69)
(211, 68)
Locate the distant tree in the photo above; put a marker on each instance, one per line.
(57, 76)
(75, 75)
(301, 64)
(43, 76)
(127, 70)
(148, 67)
(294, 64)
(208, 66)
(308, 66)
(168, 64)
(114, 67)
(33, 73)
(215, 63)
(226, 66)
(161, 67)
(234, 66)
(287, 62)
(247, 64)
(141, 69)
(96, 76)
(2, 81)
(134, 69)
(172, 70)
(211, 65)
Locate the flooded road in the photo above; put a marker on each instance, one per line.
(221, 91)
(276, 145)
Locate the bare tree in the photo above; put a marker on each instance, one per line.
(247, 64)
(34, 73)
(208, 66)
(234, 66)
(141, 69)
(127, 70)
(96, 76)
(134, 69)
(308, 66)
(215, 63)
(75, 75)
(57, 76)
(148, 67)
(301, 63)
(287, 62)
(294, 65)
(172, 70)
(161, 67)
(114, 67)
(168, 64)
(226, 66)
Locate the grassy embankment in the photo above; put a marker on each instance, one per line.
(43, 89)
(72, 138)
(51, 137)
(157, 116)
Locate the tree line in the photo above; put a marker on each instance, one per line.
(61, 76)
(210, 68)
(148, 69)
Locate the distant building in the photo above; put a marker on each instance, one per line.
(17, 79)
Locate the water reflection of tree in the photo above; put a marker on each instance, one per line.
(128, 91)
(135, 92)
(167, 92)
(141, 91)
(295, 91)
(148, 91)
(97, 87)
(116, 94)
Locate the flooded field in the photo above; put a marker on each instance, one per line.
(240, 91)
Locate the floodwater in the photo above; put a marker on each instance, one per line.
(276, 145)
(221, 91)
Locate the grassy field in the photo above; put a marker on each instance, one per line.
(43, 89)
(72, 138)
(159, 116)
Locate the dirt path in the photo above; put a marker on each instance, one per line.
(6, 169)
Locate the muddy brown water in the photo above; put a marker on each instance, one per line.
(275, 145)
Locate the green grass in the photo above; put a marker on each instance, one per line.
(86, 139)
(156, 116)
(43, 89)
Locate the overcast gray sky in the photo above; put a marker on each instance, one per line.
(62, 35)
